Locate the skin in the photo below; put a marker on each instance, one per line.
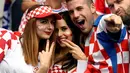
(64, 35)
(121, 8)
(46, 57)
(55, 4)
(81, 15)
(63, 32)
(45, 27)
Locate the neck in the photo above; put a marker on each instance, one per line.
(88, 36)
(65, 50)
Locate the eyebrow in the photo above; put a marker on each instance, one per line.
(117, 1)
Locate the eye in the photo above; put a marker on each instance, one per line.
(44, 21)
(79, 8)
(64, 28)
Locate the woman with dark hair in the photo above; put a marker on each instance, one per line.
(33, 51)
(66, 34)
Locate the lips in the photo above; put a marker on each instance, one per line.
(59, 39)
(48, 33)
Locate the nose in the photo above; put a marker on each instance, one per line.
(76, 14)
(116, 7)
(50, 26)
(60, 33)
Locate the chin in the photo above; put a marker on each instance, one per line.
(45, 37)
(62, 45)
(84, 31)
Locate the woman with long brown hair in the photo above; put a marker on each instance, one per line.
(31, 52)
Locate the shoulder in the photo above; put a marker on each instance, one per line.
(8, 34)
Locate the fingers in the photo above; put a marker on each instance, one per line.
(47, 45)
(49, 48)
(40, 54)
(68, 45)
(52, 47)
(116, 19)
(107, 19)
(113, 20)
(114, 23)
(120, 11)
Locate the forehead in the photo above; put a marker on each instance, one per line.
(61, 23)
(75, 3)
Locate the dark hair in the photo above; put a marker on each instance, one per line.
(70, 62)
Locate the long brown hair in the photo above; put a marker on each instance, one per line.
(31, 44)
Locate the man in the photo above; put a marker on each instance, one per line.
(106, 42)
(121, 8)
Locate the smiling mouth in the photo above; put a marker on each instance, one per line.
(60, 39)
(80, 22)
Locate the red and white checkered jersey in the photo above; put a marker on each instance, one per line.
(11, 54)
(102, 7)
(57, 69)
(6, 38)
(106, 55)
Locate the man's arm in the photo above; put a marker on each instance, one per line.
(27, 4)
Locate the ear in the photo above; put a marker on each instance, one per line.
(93, 9)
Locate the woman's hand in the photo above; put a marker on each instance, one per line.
(46, 57)
(75, 50)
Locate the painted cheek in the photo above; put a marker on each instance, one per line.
(41, 27)
(71, 34)
(68, 35)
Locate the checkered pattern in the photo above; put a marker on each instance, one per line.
(6, 37)
(34, 13)
(57, 69)
(100, 59)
